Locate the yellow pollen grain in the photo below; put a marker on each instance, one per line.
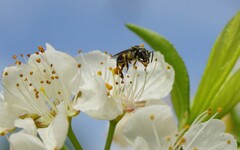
(41, 49)
(108, 86)
(31, 73)
(168, 138)
(209, 111)
(99, 73)
(48, 82)
(141, 45)
(183, 140)
(228, 141)
(52, 77)
(53, 72)
(79, 65)
(5, 73)
(38, 60)
(14, 56)
(219, 109)
(115, 71)
(152, 117)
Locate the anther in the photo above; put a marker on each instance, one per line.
(52, 77)
(44, 70)
(21, 75)
(155, 59)
(182, 140)
(28, 55)
(99, 73)
(101, 63)
(56, 77)
(130, 82)
(25, 79)
(59, 92)
(51, 65)
(41, 49)
(186, 127)
(17, 84)
(79, 65)
(168, 67)
(108, 86)
(168, 138)
(135, 67)
(31, 73)
(21, 55)
(48, 82)
(209, 111)
(110, 68)
(79, 51)
(5, 73)
(30, 84)
(38, 60)
(53, 72)
(122, 82)
(41, 81)
(36, 53)
(219, 109)
(14, 57)
(228, 141)
(141, 45)
(194, 148)
(116, 83)
(152, 117)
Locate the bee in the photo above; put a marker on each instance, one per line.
(135, 53)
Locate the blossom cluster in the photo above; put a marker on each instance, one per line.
(42, 94)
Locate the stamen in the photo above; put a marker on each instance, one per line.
(108, 86)
(41, 49)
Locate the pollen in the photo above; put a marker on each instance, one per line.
(209, 111)
(110, 68)
(108, 86)
(219, 109)
(53, 72)
(41, 81)
(168, 138)
(37, 53)
(52, 77)
(155, 59)
(135, 67)
(99, 73)
(21, 75)
(48, 82)
(79, 65)
(228, 141)
(182, 140)
(51, 65)
(56, 77)
(31, 73)
(141, 45)
(28, 55)
(194, 148)
(38, 60)
(41, 49)
(59, 92)
(5, 73)
(168, 67)
(17, 84)
(152, 117)
(116, 70)
(30, 84)
(14, 56)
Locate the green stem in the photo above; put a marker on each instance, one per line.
(73, 137)
(64, 147)
(111, 129)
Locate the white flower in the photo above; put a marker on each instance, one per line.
(153, 128)
(50, 138)
(105, 95)
(36, 88)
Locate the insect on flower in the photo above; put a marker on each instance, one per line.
(135, 53)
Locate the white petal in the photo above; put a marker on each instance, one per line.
(160, 78)
(209, 135)
(27, 125)
(66, 67)
(55, 134)
(8, 115)
(95, 102)
(153, 124)
(23, 141)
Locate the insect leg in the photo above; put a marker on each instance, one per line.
(152, 53)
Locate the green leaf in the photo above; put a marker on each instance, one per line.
(224, 55)
(228, 96)
(180, 91)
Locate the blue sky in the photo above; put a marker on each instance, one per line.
(192, 26)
